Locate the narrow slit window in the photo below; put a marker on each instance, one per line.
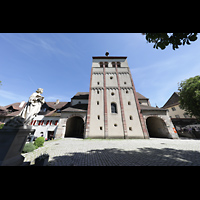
(113, 108)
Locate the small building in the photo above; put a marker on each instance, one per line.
(179, 117)
(47, 120)
(11, 110)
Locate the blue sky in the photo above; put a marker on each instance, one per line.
(60, 63)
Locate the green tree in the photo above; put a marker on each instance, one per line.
(190, 96)
(162, 40)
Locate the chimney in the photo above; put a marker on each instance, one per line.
(21, 104)
(57, 102)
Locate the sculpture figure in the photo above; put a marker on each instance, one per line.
(30, 111)
(33, 106)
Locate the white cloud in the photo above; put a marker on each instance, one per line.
(10, 97)
(32, 44)
(160, 79)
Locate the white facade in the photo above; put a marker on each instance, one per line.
(112, 86)
(44, 125)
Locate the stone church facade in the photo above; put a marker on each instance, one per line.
(111, 109)
(114, 110)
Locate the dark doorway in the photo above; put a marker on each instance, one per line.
(50, 135)
(157, 128)
(74, 127)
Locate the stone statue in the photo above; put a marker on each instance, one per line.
(33, 106)
(30, 111)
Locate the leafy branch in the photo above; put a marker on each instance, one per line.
(162, 40)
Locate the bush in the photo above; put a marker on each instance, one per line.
(39, 142)
(28, 147)
(1, 126)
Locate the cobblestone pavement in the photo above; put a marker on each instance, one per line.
(138, 152)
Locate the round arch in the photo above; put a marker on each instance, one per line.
(157, 128)
(74, 127)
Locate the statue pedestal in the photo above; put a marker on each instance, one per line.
(12, 142)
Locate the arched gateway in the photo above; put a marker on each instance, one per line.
(74, 127)
(157, 128)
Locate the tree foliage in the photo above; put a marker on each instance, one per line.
(190, 96)
(162, 40)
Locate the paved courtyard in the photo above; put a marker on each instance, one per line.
(134, 152)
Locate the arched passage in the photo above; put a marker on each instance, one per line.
(74, 127)
(157, 128)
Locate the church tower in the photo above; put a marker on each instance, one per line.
(113, 109)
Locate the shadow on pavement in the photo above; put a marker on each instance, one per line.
(139, 157)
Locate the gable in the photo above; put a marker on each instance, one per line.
(173, 100)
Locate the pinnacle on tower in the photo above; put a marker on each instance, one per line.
(107, 53)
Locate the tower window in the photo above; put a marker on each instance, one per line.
(113, 108)
(129, 103)
(131, 118)
(98, 117)
(106, 64)
(97, 91)
(97, 83)
(113, 64)
(118, 64)
(111, 77)
(124, 83)
(115, 125)
(101, 128)
(97, 102)
(126, 91)
(112, 93)
(130, 128)
(101, 64)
